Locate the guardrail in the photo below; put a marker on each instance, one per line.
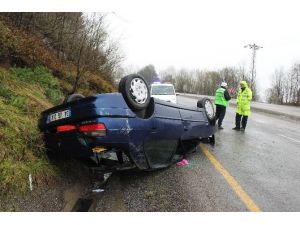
(291, 112)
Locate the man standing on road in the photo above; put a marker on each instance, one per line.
(222, 98)
(243, 106)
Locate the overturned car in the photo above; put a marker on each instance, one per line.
(127, 129)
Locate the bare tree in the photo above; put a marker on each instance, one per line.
(149, 73)
(293, 85)
(76, 37)
(285, 86)
(205, 82)
(277, 92)
(168, 75)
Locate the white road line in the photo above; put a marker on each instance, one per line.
(292, 139)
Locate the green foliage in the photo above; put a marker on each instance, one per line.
(21, 151)
(40, 75)
(37, 75)
(14, 175)
(22, 98)
(55, 96)
(19, 133)
(19, 102)
(5, 92)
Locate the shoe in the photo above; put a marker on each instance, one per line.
(242, 129)
(221, 128)
(236, 128)
(183, 162)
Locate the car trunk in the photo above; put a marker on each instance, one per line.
(85, 109)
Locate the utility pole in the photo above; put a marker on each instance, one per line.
(254, 47)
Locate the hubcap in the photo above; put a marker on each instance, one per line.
(209, 109)
(138, 90)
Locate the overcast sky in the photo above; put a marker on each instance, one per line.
(196, 34)
(210, 35)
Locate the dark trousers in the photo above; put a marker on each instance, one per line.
(220, 114)
(238, 118)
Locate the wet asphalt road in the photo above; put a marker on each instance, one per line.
(265, 161)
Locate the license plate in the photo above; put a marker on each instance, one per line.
(59, 115)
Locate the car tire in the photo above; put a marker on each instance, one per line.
(200, 103)
(205, 103)
(121, 84)
(135, 92)
(74, 97)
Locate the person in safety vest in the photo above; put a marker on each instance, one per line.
(222, 98)
(243, 106)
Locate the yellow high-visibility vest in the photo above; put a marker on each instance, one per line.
(243, 102)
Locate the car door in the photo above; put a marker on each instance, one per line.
(164, 135)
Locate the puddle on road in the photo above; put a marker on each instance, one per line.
(71, 195)
(80, 198)
(82, 205)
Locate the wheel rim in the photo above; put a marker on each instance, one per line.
(138, 90)
(209, 109)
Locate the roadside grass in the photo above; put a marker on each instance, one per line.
(24, 94)
(42, 76)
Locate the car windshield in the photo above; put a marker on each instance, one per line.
(162, 90)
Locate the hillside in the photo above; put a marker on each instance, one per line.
(32, 79)
(23, 49)
(23, 95)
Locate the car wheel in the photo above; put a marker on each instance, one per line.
(135, 91)
(121, 84)
(74, 97)
(208, 106)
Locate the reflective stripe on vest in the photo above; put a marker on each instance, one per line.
(219, 97)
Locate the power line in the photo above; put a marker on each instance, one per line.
(254, 48)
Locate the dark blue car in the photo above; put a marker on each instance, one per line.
(127, 129)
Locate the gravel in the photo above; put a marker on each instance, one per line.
(51, 196)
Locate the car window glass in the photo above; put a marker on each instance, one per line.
(162, 90)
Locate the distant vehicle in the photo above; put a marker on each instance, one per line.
(165, 92)
(128, 129)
